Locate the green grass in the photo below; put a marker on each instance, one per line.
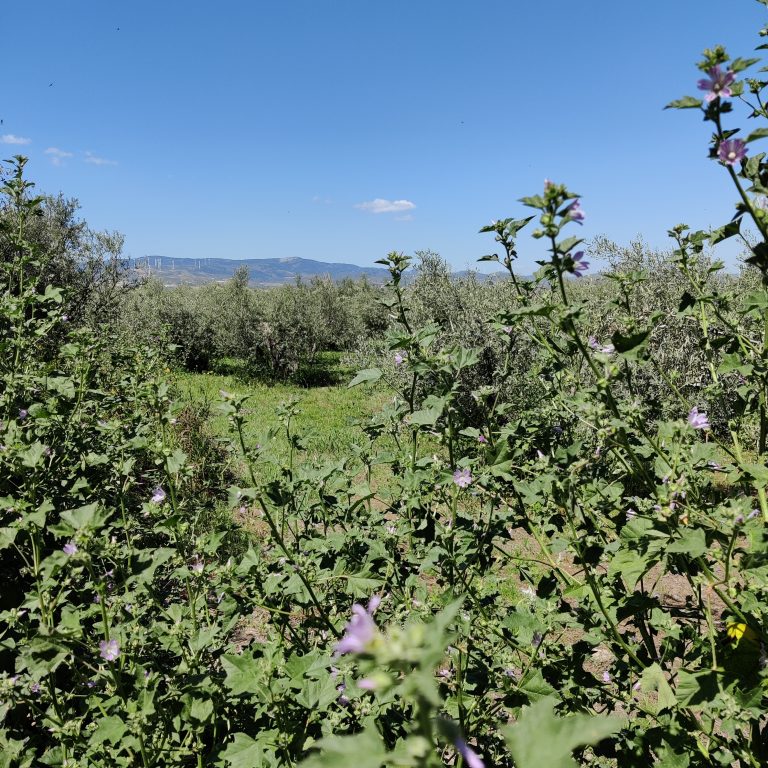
(326, 418)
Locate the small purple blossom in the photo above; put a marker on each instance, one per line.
(197, 565)
(574, 212)
(580, 265)
(64, 318)
(717, 84)
(35, 687)
(731, 151)
(367, 684)
(158, 495)
(698, 420)
(70, 548)
(470, 757)
(462, 477)
(482, 439)
(507, 329)
(360, 630)
(607, 677)
(753, 514)
(400, 358)
(23, 413)
(109, 650)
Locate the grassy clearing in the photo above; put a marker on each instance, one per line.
(327, 415)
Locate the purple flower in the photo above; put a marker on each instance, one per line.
(158, 495)
(23, 413)
(70, 548)
(64, 318)
(717, 84)
(462, 477)
(35, 687)
(471, 758)
(360, 630)
(698, 420)
(400, 358)
(508, 329)
(606, 677)
(579, 266)
(482, 439)
(197, 565)
(731, 151)
(753, 514)
(574, 212)
(109, 650)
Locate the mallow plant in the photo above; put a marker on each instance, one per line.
(575, 578)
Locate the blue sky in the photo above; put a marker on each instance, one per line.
(343, 129)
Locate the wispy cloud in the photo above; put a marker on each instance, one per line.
(95, 160)
(380, 205)
(57, 156)
(9, 138)
(324, 200)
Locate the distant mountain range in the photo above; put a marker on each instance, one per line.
(261, 272)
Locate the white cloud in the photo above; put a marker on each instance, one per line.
(56, 155)
(9, 138)
(386, 206)
(95, 160)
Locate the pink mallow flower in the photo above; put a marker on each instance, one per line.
(698, 420)
(580, 265)
(574, 212)
(360, 630)
(109, 650)
(717, 84)
(158, 495)
(731, 151)
(462, 477)
(70, 548)
(470, 757)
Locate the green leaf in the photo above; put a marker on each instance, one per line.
(367, 376)
(176, 461)
(630, 344)
(33, 455)
(653, 679)
(244, 752)
(760, 133)
(693, 543)
(723, 233)
(542, 738)
(630, 565)
(687, 102)
(243, 674)
(109, 729)
(364, 750)
(201, 710)
(88, 516)
(695, 689)
(535, 686)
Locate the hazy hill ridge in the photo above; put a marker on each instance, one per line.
(174, 271)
